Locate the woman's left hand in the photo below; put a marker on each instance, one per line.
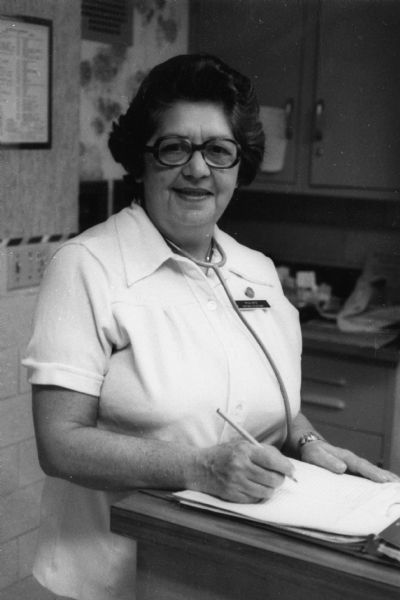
(339, 460)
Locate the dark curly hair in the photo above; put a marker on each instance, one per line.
(191, 78)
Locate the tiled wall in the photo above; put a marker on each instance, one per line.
(21, 478)
(38, 197)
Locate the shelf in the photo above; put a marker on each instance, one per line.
(321, 335)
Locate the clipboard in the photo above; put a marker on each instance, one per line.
(386, 543)
(383, 548)
(341, 511)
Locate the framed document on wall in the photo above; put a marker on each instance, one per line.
(25, 82)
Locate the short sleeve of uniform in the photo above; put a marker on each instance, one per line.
(293, 331)
(72, 329)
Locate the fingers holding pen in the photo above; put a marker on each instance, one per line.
(270, 458)
(269, 470)
(242, 472)
(271, 466)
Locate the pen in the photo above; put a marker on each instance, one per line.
(245, 434)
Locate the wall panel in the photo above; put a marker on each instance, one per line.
(39, 188)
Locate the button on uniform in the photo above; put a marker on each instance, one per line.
(211, 305)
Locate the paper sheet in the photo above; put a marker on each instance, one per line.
(273, 119)
(320, 500)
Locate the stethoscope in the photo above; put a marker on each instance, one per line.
(216, 266)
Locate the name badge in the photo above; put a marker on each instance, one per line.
(250, 304)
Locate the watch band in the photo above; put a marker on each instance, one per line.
(311, 436)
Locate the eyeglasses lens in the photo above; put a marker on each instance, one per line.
(174, 151)
(217, 153)
(220, 153)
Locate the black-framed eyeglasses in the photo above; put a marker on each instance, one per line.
(175, 151)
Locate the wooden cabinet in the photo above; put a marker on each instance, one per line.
(262, 39)
(191, 554)
(357, 96)
(333, 65)
(352, 399)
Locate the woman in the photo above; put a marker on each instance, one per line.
(136, 343)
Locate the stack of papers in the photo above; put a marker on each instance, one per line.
(336, 508)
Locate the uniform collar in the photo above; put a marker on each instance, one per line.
(142, 247)
(137, 233)
(245, 262)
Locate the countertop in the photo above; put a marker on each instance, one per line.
(186, 553)
(325, 336)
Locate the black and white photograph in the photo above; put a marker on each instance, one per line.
(199, 299)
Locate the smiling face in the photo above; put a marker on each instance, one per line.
(185, 202)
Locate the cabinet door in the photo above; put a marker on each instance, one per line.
(356, 137)
(263, 40)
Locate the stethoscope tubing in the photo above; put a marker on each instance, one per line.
(282, 387)
(216, 266)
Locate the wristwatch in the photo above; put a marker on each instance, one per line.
(307, 438)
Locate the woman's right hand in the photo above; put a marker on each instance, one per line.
(240, 471)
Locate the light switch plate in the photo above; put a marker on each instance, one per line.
(26, 265)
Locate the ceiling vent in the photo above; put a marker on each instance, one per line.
(108, 21)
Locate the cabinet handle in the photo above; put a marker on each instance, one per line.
(289, 110)
(324, 401)
(318, 120)
(340, 382)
